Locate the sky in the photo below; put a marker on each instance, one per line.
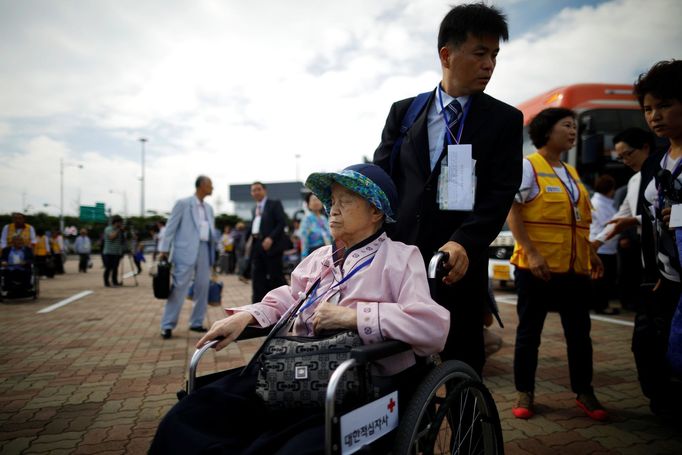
(259, 90)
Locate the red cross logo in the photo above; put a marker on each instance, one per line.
(391, 405)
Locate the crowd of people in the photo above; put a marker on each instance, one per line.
(568, 243)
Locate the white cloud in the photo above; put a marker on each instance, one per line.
(236, 89)
(611, 42)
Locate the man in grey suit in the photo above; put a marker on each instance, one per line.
(191, 233)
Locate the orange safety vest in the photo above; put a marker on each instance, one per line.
(54, 244)
(551, 224)
(40, 248)
(25, 233)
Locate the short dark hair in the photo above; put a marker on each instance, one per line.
(199, 181)
(116, 219)
(661, 81)
(636, 138)
(604, 184)
(476, 19)
(544, 121)
(261, 184)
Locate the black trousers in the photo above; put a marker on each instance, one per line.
(58, 263)
(83, 260)
(569, 295)
(466, 300)
(227, 417)
(266, 271)
(650, 343)
(111, 268)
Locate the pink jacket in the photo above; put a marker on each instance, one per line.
(391, 296)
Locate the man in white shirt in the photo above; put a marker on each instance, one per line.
(191, 234)
(633, 147)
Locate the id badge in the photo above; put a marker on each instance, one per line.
(457, 181)
(576, 212)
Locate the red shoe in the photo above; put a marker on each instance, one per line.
(524, 406)
(592, 407)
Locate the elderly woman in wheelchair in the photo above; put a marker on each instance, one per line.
(17, 277)
(359, 292)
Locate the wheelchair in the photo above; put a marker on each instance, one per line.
(449, 411)
(19, 283)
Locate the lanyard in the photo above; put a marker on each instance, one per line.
(313, 294)
(571, 184)
(676, 172)
(450, 137)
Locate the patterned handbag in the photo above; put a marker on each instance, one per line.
(293, 372)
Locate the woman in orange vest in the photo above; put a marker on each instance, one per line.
(550, 220)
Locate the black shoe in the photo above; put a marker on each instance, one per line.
(107, 285)
(166, 334)
(199, 328)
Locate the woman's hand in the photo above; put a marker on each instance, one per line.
(620, 224)
(229, 328)
(328, 316)
(597, 266)
(538, 265)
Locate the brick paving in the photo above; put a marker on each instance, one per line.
(94, 376)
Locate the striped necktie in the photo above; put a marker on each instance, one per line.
(454, 115)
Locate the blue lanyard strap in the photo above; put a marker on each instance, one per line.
(448, 133)
(313, 294)
(571, 184)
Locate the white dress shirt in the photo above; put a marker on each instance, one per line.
(203, 221)
(255, 226)
(436, 125)
(603, 213)
(627, 209)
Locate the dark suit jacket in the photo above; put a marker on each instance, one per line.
(272, 224)
(495, 131)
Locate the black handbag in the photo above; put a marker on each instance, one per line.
(293, 372)
(161, 282)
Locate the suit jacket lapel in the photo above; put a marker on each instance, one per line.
(476, 117)
(193, 207)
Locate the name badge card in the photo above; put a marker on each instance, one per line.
(676, 216)
(457, 185)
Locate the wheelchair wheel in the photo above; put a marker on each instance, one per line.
(451, 412)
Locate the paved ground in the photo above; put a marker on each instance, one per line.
(95, 377)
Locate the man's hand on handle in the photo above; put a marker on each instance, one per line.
(458, 262)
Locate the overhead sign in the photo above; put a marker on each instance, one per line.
(96, 214)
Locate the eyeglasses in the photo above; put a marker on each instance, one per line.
(625, 154)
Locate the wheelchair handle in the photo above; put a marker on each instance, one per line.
(330, 402)
(195, 362)
(437, 264)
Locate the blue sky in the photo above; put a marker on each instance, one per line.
(220, 88)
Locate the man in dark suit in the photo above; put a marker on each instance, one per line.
(458, 112)
(268, 242)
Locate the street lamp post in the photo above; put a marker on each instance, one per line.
(142, 142)
(61, 190)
